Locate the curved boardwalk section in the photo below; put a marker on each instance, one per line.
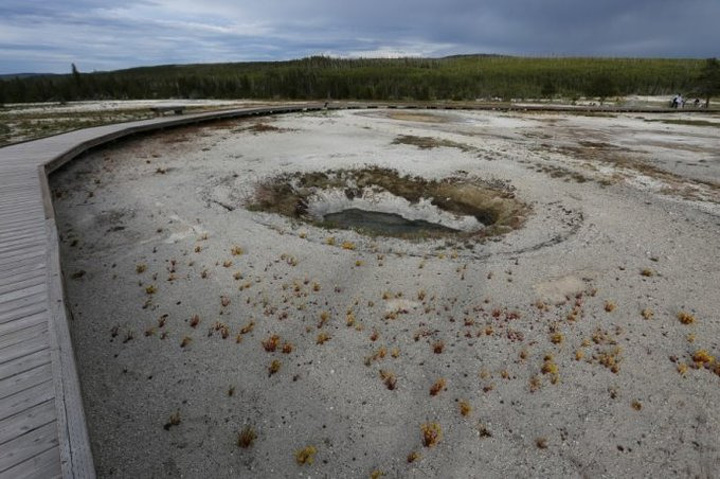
(42, 424)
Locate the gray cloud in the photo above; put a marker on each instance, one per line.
(36, 35)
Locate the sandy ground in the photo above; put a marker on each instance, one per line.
(550, 367)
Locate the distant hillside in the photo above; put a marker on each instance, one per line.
(459, 77)
(10, 76)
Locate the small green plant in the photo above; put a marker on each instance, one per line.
(140, 268)
(305, 455)
(270, 344)
(274, 367)
(685, 317)
(702, 357)
(152, 289)
(465, 407)
(431, 434)
(413, 456)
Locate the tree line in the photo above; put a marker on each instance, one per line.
(467, 77)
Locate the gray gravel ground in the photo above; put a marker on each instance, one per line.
(542, 332)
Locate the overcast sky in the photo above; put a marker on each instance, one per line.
(49, 35)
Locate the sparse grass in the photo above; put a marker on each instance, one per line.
(647, 313)
(389, 378)
(174, 420)
(685, 317)
(246, 437)
(270, 344)
(465, 407)
(610, 306)
(305, 455)
(140, 268)
(438, 386)
(236, 250)
(274, 367)
(322, 338)
(413, 457)
(702, 357)
(431, 434)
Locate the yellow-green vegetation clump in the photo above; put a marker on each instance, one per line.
(431, 434)
(305, 455)
(685, 318)
(274, 367)
(702, 357)
(550, 368)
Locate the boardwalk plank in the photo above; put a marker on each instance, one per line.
(27, 420)
(23, 364)
(45, 465)
(22, 280)
(25, 348)
(19, 293)
(29, 256)
(27, 379)
(15, 338)
(27, 398)
(15, 303)
(22, 312)
(28, 445)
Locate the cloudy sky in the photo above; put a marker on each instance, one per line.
(49, 35)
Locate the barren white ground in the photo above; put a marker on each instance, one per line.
(542, 330)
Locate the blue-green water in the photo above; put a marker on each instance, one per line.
(383, 223)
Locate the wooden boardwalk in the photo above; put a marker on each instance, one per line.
(42, 424)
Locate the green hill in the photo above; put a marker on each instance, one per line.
(462, 77)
